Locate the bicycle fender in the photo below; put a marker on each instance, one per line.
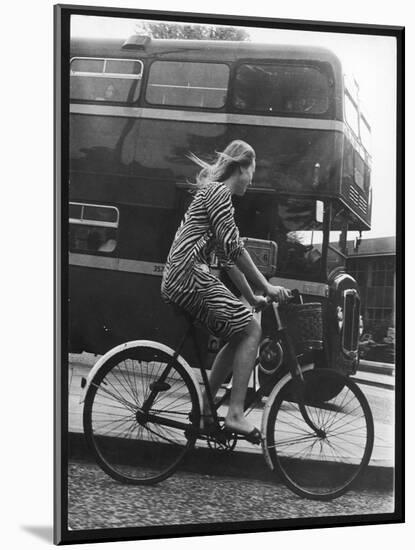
(278, 387)
(144, 343)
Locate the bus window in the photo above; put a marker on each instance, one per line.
(366, 181)
(299, 238)
(359, 170)
(105, 80)
(352, 115)
(281, 88)
(365, 134)
(92, 228)
(188, 84)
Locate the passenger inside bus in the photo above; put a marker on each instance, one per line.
(83, 238)
(111, 93)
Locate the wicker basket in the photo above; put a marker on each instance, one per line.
(304, 324)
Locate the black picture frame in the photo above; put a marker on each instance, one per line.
(63, 534)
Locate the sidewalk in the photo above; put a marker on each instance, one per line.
(383, 452)
(384, 381)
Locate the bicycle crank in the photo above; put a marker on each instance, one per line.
(222, 442)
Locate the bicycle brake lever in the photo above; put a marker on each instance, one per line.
(296, 296)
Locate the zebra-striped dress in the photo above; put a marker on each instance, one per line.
(208, 226)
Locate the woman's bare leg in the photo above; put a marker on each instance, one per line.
(244, 360)
(237, 356)
(221, 368)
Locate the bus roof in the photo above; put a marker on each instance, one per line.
(202, 49)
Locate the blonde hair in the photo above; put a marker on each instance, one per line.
(237, 154)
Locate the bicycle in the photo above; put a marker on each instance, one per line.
(142, 415)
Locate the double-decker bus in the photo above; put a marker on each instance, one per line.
(138, 107)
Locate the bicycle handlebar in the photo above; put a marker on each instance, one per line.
(295, 295)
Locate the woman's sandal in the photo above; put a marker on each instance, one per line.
(254, 436)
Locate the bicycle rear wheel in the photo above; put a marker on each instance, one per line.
(320, 466)
(130, 446)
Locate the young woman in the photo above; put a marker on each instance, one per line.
(209, 226)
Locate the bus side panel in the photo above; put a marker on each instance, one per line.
(134, 164)
(155, 152)
(293, 160)
(109, 307)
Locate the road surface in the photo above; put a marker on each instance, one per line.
(96, 501)
(209, 494)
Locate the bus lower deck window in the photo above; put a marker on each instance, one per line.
(92, 228)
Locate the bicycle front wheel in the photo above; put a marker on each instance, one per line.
(320, 464)
(130, 445)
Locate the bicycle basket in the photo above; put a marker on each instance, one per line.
(304, 324)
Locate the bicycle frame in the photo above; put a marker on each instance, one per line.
(292, 362)
(172, 396)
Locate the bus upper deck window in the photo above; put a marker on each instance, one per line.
(105, 80)
(365, 134)
(281, 88)
(92, 228)
(351, 114)
(188, 84)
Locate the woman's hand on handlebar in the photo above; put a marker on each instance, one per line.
(278, 294)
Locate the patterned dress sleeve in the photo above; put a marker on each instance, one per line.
(224, 262)
(221, 215)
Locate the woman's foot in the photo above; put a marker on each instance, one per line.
(239, 425)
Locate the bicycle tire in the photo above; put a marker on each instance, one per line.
(313, 466)
(127, 448)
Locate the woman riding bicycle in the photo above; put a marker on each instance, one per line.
(208, 227)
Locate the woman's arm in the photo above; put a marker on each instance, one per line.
(245, 263)
(220, 211)
(239, 280)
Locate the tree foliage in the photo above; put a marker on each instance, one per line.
(192, 31)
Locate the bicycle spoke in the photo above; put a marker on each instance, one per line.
(344, 417)
(127, 449)
(320, 465)
(118, 398)
(292, 441)
(102, 427)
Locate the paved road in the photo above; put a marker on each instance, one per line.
(216, 495)
(96, 501)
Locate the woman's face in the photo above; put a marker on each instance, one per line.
(245, 178)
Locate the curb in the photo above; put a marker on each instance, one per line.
(374, 367)
(375, 384)
(208, 462)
